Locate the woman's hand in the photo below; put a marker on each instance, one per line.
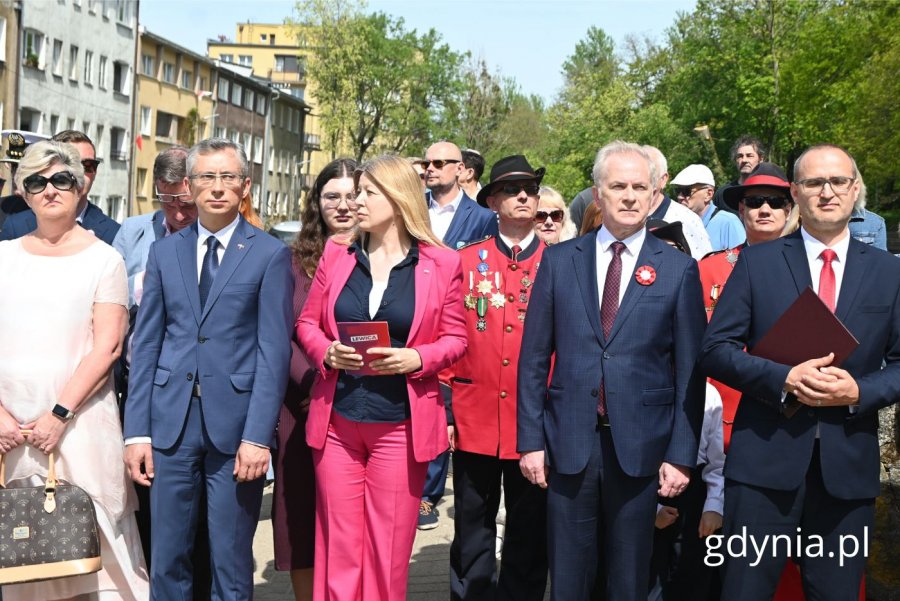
(47, 431)
(341, 356)
(10, 432)
(395, 360)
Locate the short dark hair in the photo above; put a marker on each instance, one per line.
(170, 166)
(747, 140)
(473, 160)
(73, 136)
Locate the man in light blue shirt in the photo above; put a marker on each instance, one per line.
(694, 187)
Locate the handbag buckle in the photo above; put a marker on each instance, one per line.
(50, 498)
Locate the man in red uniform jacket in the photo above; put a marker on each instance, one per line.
(497, 276)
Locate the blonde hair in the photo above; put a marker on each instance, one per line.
(43, 154)
(553, 198)
(400, 183)
(248, 212)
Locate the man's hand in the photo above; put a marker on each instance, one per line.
(341, 356)
(136, 456)
(251, 462)
(665, 517)
(451, 436)
(533, 468)
(831, 387)
(395, 360)
(673, 479)
(710, 521)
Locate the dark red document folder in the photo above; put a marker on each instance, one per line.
(808, 329)
(363, 335)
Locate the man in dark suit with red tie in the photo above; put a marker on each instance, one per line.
(810, 475)
(620, 421)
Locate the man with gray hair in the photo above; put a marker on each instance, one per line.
(209, 369)
(620, 419)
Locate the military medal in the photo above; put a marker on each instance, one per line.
(484, 287)
(523, 297)
(470, 301)
(731, 257)
(498, 300)
(481, 306)
(525, 281)
(714, 297)
(482, 266)
(522, 315)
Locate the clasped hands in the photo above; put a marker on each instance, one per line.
(391, 361)
(817, 383)
(43, 434)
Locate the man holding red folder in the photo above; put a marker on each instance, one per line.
(811, 477)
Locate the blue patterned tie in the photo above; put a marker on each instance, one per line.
(209, 269)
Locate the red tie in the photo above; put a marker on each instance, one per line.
(610, 306)
(827, 284)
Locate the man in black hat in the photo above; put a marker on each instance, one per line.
(15, 143)
(90, 217)
(498, 273)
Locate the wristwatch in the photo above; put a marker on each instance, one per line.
(62, 413)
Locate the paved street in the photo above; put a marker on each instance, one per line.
(428, 575)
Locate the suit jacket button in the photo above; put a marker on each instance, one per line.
(505, 362)
(508, 329)
(503, 394)
(606, 355)
(202, 339)
(594, 392)
(190, 377)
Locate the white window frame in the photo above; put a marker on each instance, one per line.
(102, 72)
(146, 120)
(73, 62)
(58, 58)
(88, 67)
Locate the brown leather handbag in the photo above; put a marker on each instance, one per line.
(46, 531)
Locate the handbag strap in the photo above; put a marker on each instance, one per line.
(49, 484)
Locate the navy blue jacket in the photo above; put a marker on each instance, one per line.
(470, 222)
(95, 220)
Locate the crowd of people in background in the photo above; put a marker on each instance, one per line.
(584, 364)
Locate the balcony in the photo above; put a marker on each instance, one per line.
(312, 142)
(297, 76)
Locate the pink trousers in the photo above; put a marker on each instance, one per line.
(368, 487)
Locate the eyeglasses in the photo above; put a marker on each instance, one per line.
(774, 202)
(556, 215)
(686, 190)
(90, 166)
(838, 183)
(183, 198)
(332, 200)
(438, 163)
(61, 180)
(208, 180)
(531, 189)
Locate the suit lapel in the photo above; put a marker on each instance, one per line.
(585, 263)
(650, 254)
(424, 274)
(343, 266)
(459, 218)
(238, 247)
(186, 249)
(853, 278)
(159, 230)
(795, 255)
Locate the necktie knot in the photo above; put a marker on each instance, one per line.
(515, 251)
(617, 248)
(828, 255)
(212, 244)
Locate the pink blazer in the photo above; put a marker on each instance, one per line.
(438, 333)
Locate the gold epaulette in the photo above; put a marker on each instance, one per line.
(462, 245)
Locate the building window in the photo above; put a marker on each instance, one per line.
(73, 62)
(245, 59)
(70, 123)
(166, 125)
(257, 150)
(227, 58)
(146, 119)
(187, 80)
(30, 120)
(271, 160)
(98, 141)
(236, 91)
(3, 39)
(123, 12)
(89, 67)
(261, 104)
(262, 37)
(92, 6)
(121, 79)
(86, 128)
(219, 132)
(57, 58)
(249, 99)
(224, 86)
(54, 124)
(101, 78)
(168, 72)
(203, 85)
(147, 65)
(245, 142)
(117, 144)
(272, 40)
(33, 49)
(114, 206)
(142, 183)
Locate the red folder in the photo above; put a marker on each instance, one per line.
(808, 329)
(363, 335)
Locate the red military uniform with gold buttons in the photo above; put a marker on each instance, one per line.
(497, 286)
(715, 269)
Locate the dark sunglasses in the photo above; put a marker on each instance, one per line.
(438, 163)
(774, 202)
(514, 189)
(61, 180)
(90, 165)
(556, 215)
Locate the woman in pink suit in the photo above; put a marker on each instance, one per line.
(373, 435)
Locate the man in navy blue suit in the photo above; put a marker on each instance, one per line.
(620, 421)
(90, 217)
(209, 369)
(457, 220)
(813, 474)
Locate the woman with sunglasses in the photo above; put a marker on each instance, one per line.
(373, 435)
(62, 321)
(325, 215)
(551, 221)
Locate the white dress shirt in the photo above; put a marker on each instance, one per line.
(223, 236)
(712, 451)
(814, 248)
(633, 244)
(441, 216)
